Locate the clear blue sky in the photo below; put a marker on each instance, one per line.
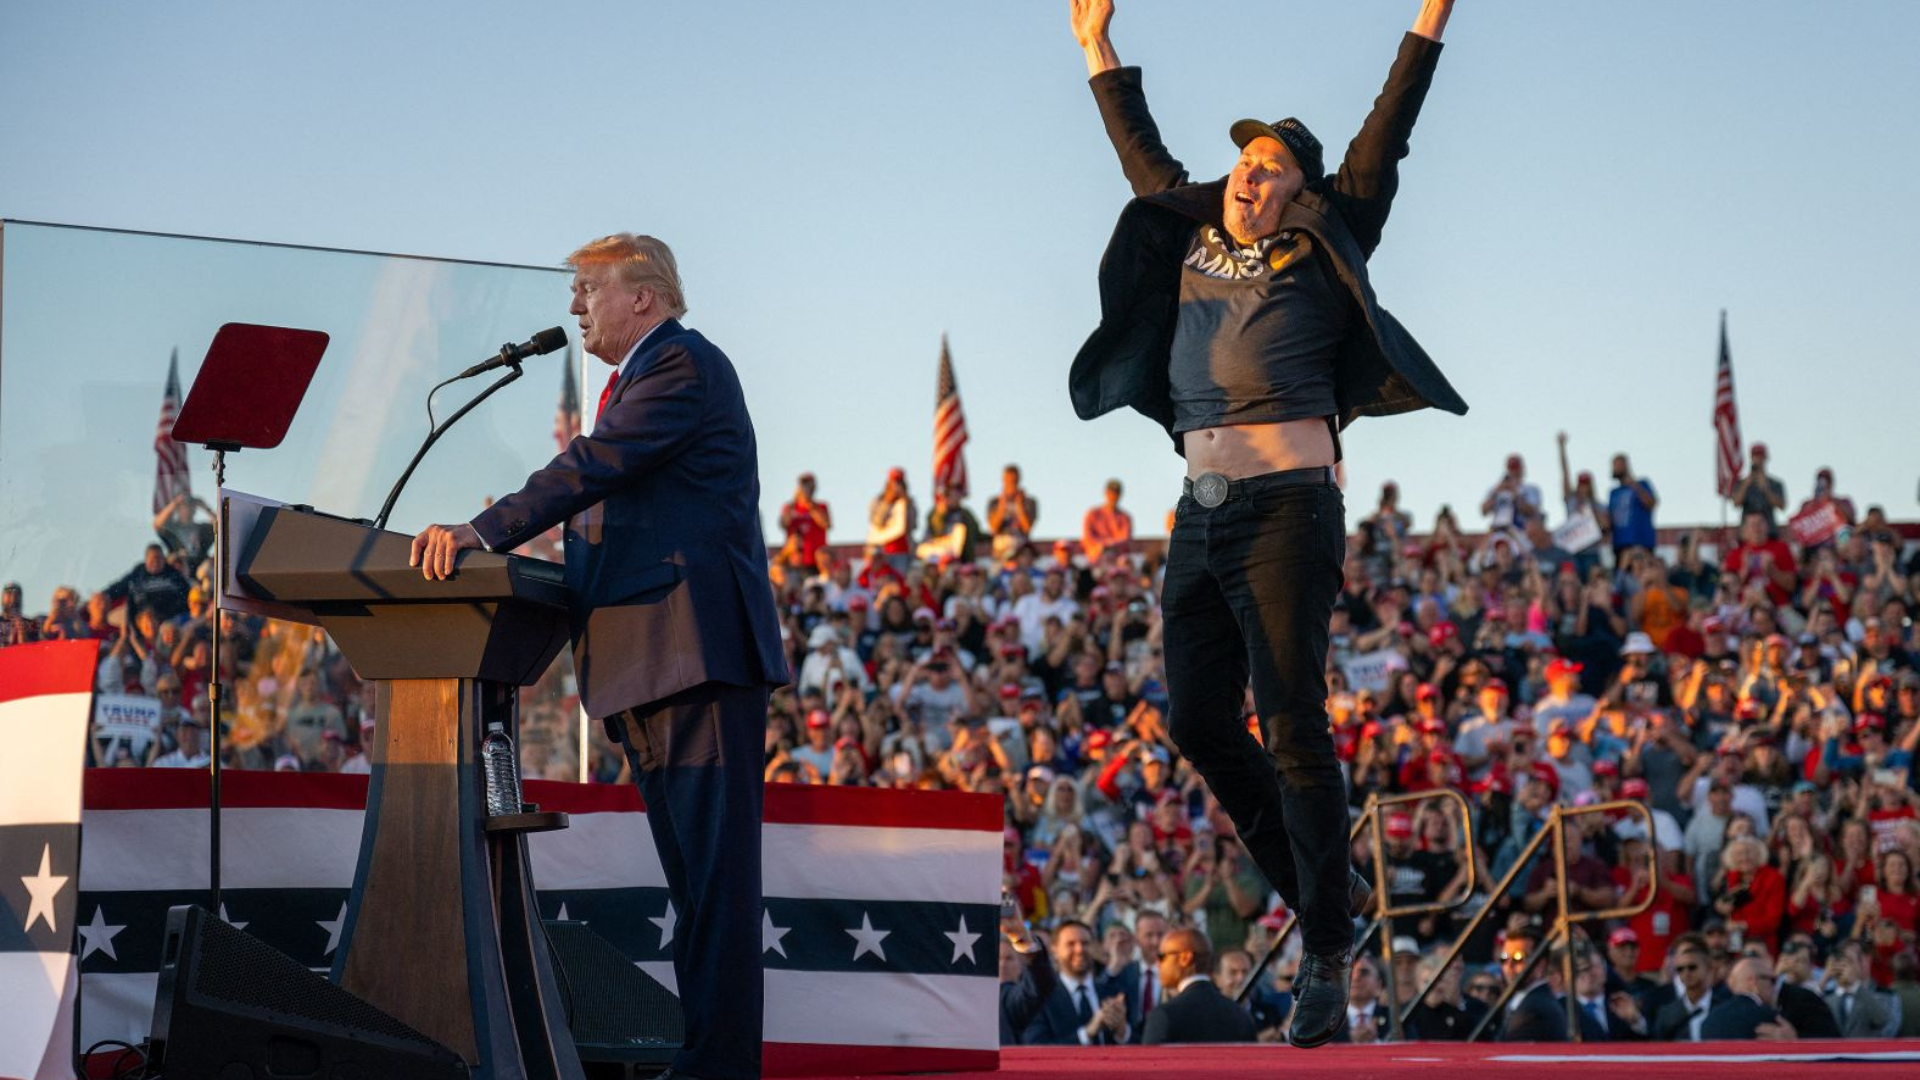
(1589, 185)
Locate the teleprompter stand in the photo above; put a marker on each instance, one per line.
(442, 948)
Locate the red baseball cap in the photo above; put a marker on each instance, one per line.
(817, 718)
(1623, 936)
(1870, 721)
(1098, 739)
(1495, 684)
(1441, 632)
(1562, 666)
(1400, 825)
(1009, 690)
(1605, 768)
(1426, 690)
(1547, 775)
(1433, 725)
(1633, 787)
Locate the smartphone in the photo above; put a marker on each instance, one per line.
(1869, 895)
(1009, 907)
(1886, 777)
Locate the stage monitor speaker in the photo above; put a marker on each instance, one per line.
(624, 1022)
(233, 1007)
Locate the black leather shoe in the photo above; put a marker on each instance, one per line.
(1359, 895)
(1319, 998)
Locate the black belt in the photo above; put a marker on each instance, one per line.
(1212, 489)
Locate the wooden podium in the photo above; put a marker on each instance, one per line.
(442, 931)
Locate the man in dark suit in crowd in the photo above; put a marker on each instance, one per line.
(1538, 1013)
(1605, 1015)
(1195, 1011)
(1027, 978)
(1860, 1010)
(1139, 981)
(1695, 995)
(1748, 1011)
(1083, 1009)
(675, 639)
(1238, 315)
(1366, 1019)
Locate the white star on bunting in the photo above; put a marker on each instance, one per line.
(962, 942)
(97, 936)
(563, 917)
(332, 927)
(230, 922)
(770, 934)
(869, 939)
(665, 923)
(41, 889)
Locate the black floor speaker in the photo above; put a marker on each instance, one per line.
(231, 1007)
(624, 1022)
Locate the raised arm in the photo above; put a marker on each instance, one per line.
(1090, 21)
(1123, 104)
(1370, 173)
(1433, 18)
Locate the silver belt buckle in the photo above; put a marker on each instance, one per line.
(1210, 489)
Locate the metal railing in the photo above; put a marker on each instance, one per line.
(1560, 934)
(1384, 912)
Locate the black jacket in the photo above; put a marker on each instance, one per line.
(1381, 370)
(1541, 1016)
(1198, 1014)
(1444, 1023)
(1671, 1024)
(1738, 1017)
(1804, 1009)
(1022, 1000)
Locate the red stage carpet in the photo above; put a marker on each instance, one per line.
(1432, 1061)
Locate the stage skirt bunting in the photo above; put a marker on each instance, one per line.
(879, 935)
(46, 704)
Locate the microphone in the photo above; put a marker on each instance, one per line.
(545, 341)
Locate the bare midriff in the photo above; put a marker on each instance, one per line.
(1245, 450)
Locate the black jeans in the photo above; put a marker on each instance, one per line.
(1249, 589)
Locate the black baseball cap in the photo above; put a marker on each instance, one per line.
(1290, 133)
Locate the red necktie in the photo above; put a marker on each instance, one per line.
(1147, 995)
(605, 394)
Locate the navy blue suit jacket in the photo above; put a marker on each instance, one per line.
(664, 554)
(1058, 1021)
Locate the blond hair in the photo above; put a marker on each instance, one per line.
(643, 262)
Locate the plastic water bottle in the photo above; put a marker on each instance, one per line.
(502, 768)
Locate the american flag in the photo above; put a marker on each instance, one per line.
(949, 429)
(566, 419)
(1726, 421)
(170, 477)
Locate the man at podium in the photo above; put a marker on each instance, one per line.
(675, 640)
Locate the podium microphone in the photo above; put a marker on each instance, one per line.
(546, 341)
